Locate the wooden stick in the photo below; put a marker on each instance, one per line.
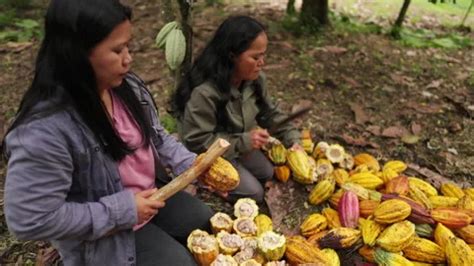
(217, 149)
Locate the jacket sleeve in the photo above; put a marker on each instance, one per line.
(38, 181)
(173, 153)
(199, 123)
(269, 114)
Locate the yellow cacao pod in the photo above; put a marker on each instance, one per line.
(203, 246)
(366, 180)
(367, 159)
(335, 153)
(348, 162)
(361, 192)
(229, 243)
(443, 201)
(299, 251)
(277, 154)
(222, 175)
(282, 173)
(245, 208)
(323, 167)
(422, 185)
(370, 230)
(221, 222)
(392, 211)
(466, 233)
(385, 258)
(469, 192)
(319, 152)
(300, 166)
(442, 235)
(388, 174)
(264, 223)
(341, 237)
(331, 257)
(452, 190)
(397, 236)
(175, 48)
(458, 252)
(340, 175)
(395, 165)
(313, 224)
(332, 217)
(272, 245)
(466, 203)
(224, 260)
(322, 191)
(419, 196)
(424, 250)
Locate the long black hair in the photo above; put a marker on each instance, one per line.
(63, 71)
(216, 62)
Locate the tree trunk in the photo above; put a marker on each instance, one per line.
(403, 12)
(314, 13)
(401, 17)
(290, 7)
(185, 10)
(168, 11)
(467, 13)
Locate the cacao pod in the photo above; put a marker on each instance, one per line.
(458, 252)
(313, 224)
(398, 185)
(300, 166)
(272, 245)
(341, 237)
(348, 209)
(452, 190)
(332, 217)
(160, 39)
(385, 258)
(442, 234)
(264, 223)
(299, 251)
(392, 211)
(366, 180)
(335, 153)
(222, 176)
(451, 217)
(322, 191)
(443, 201)
(245, 208)
(282, 173)
(175, 49)
(397, 236)
(424, 250)
(277, 154)
(367, 159)
(424, 186)
(370, 230)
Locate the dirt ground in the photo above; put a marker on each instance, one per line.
(368, 92)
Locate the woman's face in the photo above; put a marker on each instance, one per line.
(111, 58)
(249, 63)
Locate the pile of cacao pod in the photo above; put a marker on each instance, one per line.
(388, 217)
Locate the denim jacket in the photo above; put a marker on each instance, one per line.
(62, 187)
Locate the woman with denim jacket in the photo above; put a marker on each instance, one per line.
(86, 149)
(224, 95)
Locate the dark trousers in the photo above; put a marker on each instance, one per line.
(254, 169)
(163, 240)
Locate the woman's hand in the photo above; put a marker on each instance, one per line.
(259, 137)
(147, 208)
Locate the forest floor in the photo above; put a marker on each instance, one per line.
(369, 93)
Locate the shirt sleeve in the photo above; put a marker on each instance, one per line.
(269, 114)
(199, 124)
(39, 178)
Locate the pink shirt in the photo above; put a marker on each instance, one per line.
(137, 170)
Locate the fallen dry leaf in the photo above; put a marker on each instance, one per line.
(375, 130)
(360, 116)
(432, 177)
(394, 132)
(352, 82)
(335, 49)
(425, 108)
(415, 128)
(360, 141)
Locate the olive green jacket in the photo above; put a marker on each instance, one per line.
(198, 127)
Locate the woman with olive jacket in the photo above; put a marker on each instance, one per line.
(224, 96)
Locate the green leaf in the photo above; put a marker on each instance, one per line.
(445, 43)
(27, 24)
